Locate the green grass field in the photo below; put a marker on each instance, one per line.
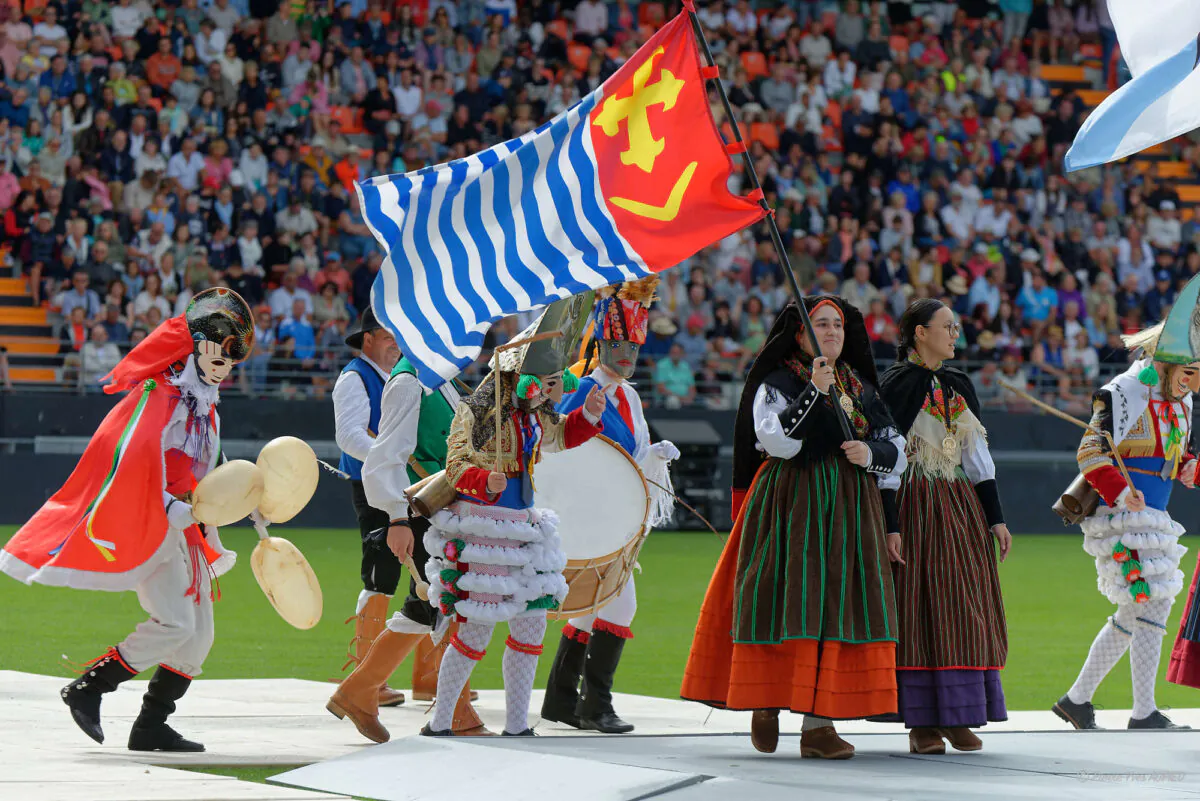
(1050, 592)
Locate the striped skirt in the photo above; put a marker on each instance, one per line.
(953, 636)
(800, 613)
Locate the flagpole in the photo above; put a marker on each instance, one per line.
(776, 239)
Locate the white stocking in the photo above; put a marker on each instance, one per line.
(456, 670)
(520, 669)
(1144, 653)
(1107, 649)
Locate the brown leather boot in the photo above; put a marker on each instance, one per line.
(764, 730)
(358, 695)
(824, 743)
(427, 663)
(367, 625)
(962, 738)
(923, 740)
(466, 721)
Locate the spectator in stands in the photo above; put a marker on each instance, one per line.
(674, 379)
(98, 357)
(79, 296)
(114, 326)
(283, 299)
(298, 340)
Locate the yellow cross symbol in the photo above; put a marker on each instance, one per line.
(643, 147)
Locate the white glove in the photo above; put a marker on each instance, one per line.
(179, 515)
(665, 450)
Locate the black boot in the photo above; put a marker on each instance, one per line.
(595, 709)
(83, 694)
(150, 731)
(562, 688)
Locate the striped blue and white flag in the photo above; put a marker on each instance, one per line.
(1159, 43)
(629, 181)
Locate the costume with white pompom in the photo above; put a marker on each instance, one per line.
(579, 687)
(1137, 553)
(493, 557)
(122, 521)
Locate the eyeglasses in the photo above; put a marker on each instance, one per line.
(953, 328)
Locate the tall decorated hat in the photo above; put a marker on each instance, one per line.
(1179, 341)
(549, 356)
(623, 312)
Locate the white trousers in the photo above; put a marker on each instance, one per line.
(179, 633)
(619, 611)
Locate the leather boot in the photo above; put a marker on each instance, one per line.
(595, 710)
(962, 738)
(764, 730)
(562, 687)
(150, 731)
(824, 743)
(922, 740)
(367, 625)
(466, 721)
(358, 694)
(427, 663)
(83, 694)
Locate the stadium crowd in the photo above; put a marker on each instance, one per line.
(152, 148)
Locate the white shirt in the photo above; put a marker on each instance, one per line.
(209, 48)
(385, 469)
(408, 101)
(772, 439)
(186, 170)
(352, 412)
(281, 301)
(126, 20)
(611, 386)
(591, 17)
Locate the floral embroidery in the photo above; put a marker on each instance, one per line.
(848, 380)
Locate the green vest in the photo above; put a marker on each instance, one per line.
(433, 429)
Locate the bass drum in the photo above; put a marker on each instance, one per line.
(603, 503)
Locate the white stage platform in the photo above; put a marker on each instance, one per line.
(44, 757)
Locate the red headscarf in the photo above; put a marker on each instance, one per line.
(167, 344)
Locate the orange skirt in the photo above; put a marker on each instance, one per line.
(835, 680)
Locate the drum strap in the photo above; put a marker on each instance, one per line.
(417, 468)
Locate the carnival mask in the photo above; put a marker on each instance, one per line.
(213, 364)
(1181, 380)
(619, 357)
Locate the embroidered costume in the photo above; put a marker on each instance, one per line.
(800, 613)
(122, 520)
(1138, 552)
(493, 557)
(953, 639)
(357, 397)
(591, 646)
(414, 426)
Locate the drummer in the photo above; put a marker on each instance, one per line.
(591, 646)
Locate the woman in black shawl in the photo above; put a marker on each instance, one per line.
(800, 614)
(953, 640)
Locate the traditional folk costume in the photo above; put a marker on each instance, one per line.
(591, 646)
(953, 639)
(494, 557)
(357, 399)
(1137, 553)
(122, 521)
(414, 425)
(800, 613)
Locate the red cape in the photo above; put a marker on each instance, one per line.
(103, 529)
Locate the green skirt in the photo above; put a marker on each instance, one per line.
(813, 561)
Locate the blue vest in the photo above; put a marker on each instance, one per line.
(1156, 489)
(373, 381)
(611, 423)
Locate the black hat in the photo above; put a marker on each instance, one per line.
(366, 322)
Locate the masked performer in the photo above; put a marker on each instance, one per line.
(1148, 412)
(411, 445)
(800, 614)
(953, 640)
(357, 399)
(123, 521)
(493, 556)
(591, 646)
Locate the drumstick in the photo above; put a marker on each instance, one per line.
(1061, 415)
(685, 505)
(422, 585)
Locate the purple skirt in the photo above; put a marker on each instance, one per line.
(948, 698)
